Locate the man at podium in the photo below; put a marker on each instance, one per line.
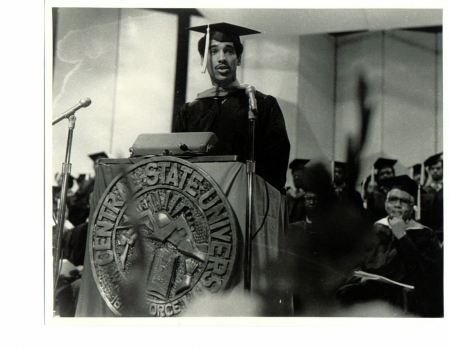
(172, 231)
(223, 109)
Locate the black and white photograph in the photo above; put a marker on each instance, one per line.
(220, 163)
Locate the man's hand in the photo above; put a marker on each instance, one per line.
(398, 227)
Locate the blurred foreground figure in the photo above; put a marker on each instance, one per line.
(405, 252)
(321, 251)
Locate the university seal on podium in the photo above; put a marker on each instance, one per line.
(162, 234)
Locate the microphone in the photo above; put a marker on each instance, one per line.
(250, 91)
(83, 103)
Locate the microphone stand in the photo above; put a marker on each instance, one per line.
(249, 212)
(66, 169)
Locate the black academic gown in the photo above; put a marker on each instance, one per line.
(227, 117)
(415, 259)
(432, 210)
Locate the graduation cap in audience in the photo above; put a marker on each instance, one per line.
(98, 155)
(222, 32)
(416, 169)
(56, 190)
(381, 163)
(439, 157)
(338, 164)
(298, 164)
(81, 178)
(405, 183)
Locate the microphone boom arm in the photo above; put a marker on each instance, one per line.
(83, 103)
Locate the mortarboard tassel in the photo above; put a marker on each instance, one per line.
(422, 174)
(205, 59)
(332, 171)
(419, 204)
(419, 196)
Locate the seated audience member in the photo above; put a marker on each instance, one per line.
(73, 243)
(294, 196)
(403, 251)
(433, 199)
(416, 174)
(312, 214)
(340, 187)
(435, 169)
(375, 201)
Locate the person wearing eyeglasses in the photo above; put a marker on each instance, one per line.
(403, 251)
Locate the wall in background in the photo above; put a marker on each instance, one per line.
(124, 60)
(404, 72)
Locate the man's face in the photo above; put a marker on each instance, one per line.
(311, 200)
(399, 204)
(222, 63)
(385, 173)
(338, 175)
(437, 171)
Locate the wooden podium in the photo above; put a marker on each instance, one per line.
(270, 218)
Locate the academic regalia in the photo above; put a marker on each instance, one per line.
(224, 111)
(226, 115)
(415, 260)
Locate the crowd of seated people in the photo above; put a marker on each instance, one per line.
(73, 237)
(378, 248)
(383, 245)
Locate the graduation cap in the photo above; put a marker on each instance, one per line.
(384, 162)
(98, 155)
(342, 165)
(405, 183)
(337, 164)
(56, 190)
(439, 157)
(298, 164)
(416, 169)
(81, 178)
(222, 32)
